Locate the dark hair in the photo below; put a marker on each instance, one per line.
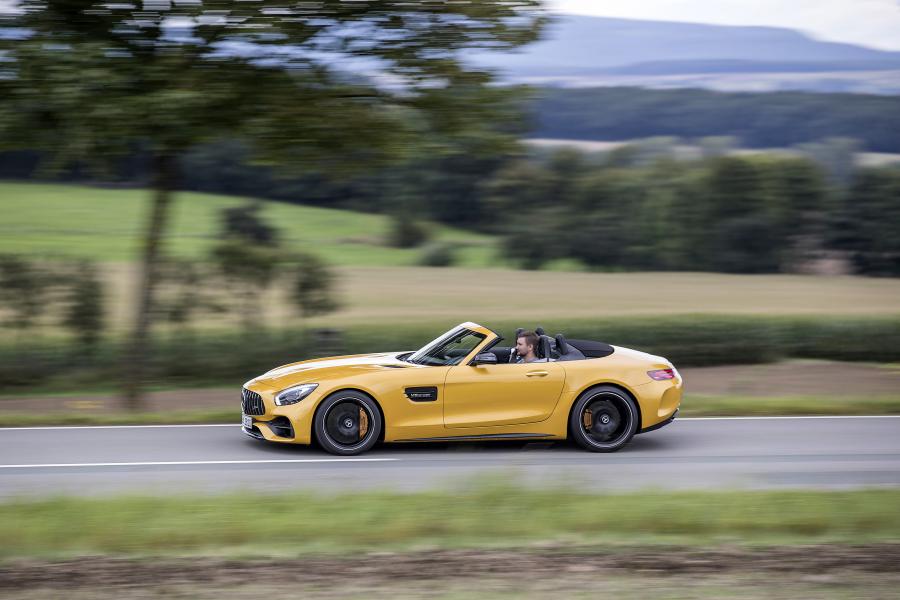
(531, 339)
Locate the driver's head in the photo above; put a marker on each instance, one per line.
(526, 344)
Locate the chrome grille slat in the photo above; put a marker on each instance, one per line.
(252, 403)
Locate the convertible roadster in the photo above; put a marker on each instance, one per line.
(463, 386)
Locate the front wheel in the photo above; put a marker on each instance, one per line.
(603, 419)
(347, 423)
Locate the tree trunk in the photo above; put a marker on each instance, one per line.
(137, 354)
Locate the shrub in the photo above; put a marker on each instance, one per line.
(406, 232)
(440, 254)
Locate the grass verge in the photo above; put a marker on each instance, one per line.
(183, 417)
(772, 406)
(485, 515)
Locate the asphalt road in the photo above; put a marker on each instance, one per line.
(820, 452)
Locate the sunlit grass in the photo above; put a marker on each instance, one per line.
(696, 405)
(72, 221)
(482, 515)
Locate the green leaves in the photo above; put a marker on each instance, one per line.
(309, 84)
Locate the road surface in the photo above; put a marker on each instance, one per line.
(779, 452)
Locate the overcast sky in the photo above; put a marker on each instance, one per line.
(866, 22)
(873, 23)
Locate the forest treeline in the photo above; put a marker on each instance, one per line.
(638, 207)
(757, 120)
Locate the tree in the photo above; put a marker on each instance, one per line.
(743, 228)
(89, 79)
(187, 290)
(84, 307)
(534, 238)
(868, 224)
(313, 291)
(800, 207)
(24, 287)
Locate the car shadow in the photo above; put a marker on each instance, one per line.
(640, 444)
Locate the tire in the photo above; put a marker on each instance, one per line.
(613, 418)
(347, 423)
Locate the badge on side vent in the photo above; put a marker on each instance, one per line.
(421, 394)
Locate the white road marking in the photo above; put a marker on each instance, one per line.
(197, 462)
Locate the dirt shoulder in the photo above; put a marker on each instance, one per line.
(795, 378)
(378, 569)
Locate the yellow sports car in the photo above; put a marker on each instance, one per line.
(463, 387)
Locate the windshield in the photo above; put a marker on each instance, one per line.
(449, 349)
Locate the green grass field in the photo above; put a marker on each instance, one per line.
(482, 515)
(105, 225)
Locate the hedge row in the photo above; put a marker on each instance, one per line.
(227, 358)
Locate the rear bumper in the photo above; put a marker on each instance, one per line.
(661, 424)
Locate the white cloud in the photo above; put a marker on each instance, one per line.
(873, 23)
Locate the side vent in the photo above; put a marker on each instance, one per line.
(422, 394)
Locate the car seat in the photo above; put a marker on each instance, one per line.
(565, 351)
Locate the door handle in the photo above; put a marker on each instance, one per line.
(536, 374)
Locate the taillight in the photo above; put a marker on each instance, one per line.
(662, 374)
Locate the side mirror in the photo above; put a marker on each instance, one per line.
(485, 358)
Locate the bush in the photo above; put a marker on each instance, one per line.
(406, 232)
(440, 254)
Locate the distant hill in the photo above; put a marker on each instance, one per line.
(588, 51)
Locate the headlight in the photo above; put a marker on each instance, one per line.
(295, 394)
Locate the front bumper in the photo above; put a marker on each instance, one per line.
(291, 424)
(254, 433)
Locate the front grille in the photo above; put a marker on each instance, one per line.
(252, 403)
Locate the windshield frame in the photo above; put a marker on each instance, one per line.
(445, 338)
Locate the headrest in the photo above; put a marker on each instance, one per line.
(561, 345)
(519, 332)
(544, 345)
(539, 330)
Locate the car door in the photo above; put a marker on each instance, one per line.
(501, 394)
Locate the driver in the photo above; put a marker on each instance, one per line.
(526, 347)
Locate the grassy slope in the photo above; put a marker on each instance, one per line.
(495, 515)
(105, 224)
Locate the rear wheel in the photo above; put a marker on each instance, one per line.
(603, 419)
(347, 423)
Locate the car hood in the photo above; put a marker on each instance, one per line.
(337, 366)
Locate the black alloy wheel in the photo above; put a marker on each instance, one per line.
(603, 419)
(347, 423)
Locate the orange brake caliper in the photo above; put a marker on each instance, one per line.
(363, 423)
